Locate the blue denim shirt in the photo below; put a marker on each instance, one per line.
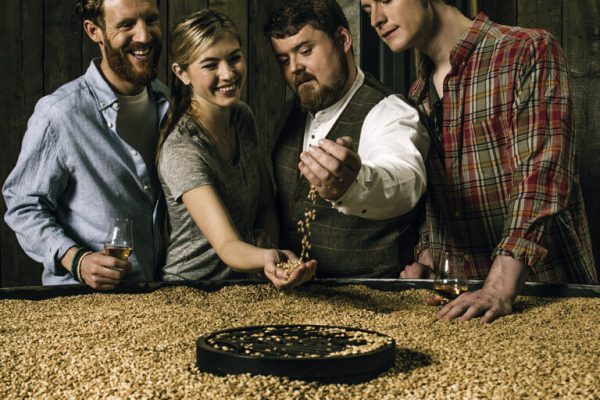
(75, 173)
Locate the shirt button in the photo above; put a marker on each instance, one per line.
(115, 106)
(364, 211)
(110, 125)
(147, 188)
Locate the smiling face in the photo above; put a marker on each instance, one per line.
(401, 24)
(217, 74)
(315, 66)
(130, 43)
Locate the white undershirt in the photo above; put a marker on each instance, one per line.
(393, 146)
(137, 123)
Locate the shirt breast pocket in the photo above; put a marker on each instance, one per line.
(485, 150)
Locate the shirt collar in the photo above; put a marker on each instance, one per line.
(105, 95)
(474, 36)
(459, 54)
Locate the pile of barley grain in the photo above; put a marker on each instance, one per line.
(143, 345)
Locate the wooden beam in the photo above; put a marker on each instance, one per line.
(581, 42)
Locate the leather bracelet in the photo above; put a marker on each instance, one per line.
(75, 262)
(79, 264)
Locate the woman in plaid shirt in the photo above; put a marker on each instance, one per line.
(503, 182)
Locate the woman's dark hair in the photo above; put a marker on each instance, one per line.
(192, 36)
(289, 19)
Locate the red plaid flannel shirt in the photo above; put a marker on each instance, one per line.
(503, 178)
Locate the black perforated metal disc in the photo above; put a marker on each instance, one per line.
(307, 352)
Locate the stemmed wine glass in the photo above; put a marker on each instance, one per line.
(119, 239)
(450, 279)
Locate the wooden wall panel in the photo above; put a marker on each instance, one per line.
(544, 14)
(164, 67)
(32, 55)
(266, 85)
(22, 84)
(62, 31)
(581, 41)
(46, 47)
(180, 9)
(503, 12)
(11, 110)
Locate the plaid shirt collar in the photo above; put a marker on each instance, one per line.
(458, 56)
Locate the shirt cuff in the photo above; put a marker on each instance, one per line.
(344, 202)
(422, 245)
(526, 251)
(55, 253)
(356, 201)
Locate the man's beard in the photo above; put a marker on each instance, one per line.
(313, 100)
(124, 69)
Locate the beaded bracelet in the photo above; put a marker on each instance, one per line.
(79, 264)
(75, 262)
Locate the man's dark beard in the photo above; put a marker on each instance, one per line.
(314, 100)
(123, 68)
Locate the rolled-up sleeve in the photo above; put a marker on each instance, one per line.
(542, 152)
(392, 148)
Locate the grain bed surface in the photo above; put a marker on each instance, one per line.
(143, 345)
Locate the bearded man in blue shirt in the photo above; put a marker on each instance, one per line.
(88, 156)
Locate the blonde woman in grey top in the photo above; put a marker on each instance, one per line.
(214, 179)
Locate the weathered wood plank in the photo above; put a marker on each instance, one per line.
(11, 109)
(502, 12)
(266, 86)
(62, 60)
(33, 60)
(581, 41)
(178, 9)
(33, 89)
(22, 86)
(163, 67)
(544, 14)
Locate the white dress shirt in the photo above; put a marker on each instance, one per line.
(393, 146)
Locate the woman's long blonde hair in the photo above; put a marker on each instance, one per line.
(192, 36)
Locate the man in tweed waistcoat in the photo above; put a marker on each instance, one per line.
(347, 135)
